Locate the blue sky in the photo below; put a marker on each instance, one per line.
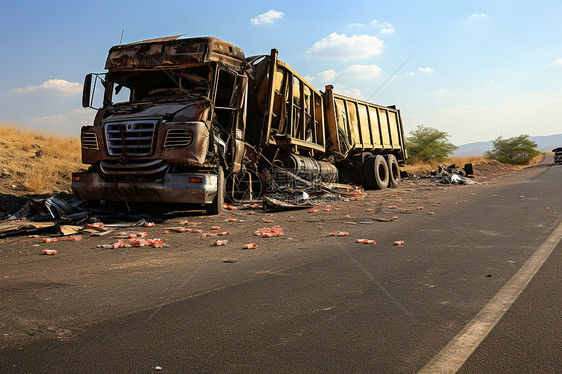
(478, 69)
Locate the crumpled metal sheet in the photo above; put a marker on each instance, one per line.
(52, 208)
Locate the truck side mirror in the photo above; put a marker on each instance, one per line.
(89, 90)
(86, 91)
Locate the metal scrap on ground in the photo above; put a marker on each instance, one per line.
(453, 175)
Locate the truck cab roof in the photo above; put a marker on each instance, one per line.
(168, 52)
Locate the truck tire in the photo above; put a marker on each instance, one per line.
(217, 205)
(393, 171)
(376, 173)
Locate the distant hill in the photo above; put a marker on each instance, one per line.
(544, 143)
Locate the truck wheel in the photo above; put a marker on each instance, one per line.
(393, 171)
(376, 173)
(217, 205)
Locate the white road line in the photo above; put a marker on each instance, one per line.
(454, 355)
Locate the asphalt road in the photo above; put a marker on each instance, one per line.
(339, 307)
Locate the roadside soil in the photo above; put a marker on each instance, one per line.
(55, 296)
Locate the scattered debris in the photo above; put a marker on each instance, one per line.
(52, 208)
(266, 232)
(250, 246)
(69, 229)
(74, 238)
(220, 242)
(399, 242)
(384, 219)
(339, 233)
(365, 241)
(23, 227)
(453, 175)
(277, 203)
(50, 252)
(156, 243)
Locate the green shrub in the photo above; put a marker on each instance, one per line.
(427, 144)
(518, 150)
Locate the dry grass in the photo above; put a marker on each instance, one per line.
(422, 167)
(33, 162)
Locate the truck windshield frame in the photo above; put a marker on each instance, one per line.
(148, 85)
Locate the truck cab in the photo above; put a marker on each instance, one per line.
(171, 124)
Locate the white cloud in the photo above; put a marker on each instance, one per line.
(267, 18)
(351, 92)
(476, 17)
(355, 25)
(326, 75)
(364, 72)
(57, 87)
(490, 81)
(341, 47)
(386, 28)
(361, 72)
(556, 63)
(426, 70)
(410, 74)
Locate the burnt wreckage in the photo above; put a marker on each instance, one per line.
(179, 115)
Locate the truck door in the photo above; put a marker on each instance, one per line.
(229, 114)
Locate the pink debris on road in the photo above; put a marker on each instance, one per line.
(339, 233)
(269, 232)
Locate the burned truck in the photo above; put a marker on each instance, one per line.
(180, 114)
(180, 124)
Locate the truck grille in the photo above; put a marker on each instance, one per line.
(178, 137)
(132, 168)
(133, 138)
(89, 140)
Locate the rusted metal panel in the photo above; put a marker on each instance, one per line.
(356, 126)
(176, 53)
(383, 124)
(292, 109)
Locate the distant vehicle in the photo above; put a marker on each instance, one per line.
(557, 155)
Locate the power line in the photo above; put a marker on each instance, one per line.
(392, 75)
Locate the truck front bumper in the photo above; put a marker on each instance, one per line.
(173, 188)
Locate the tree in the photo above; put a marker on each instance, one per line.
(426, 144)
(518, 150)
